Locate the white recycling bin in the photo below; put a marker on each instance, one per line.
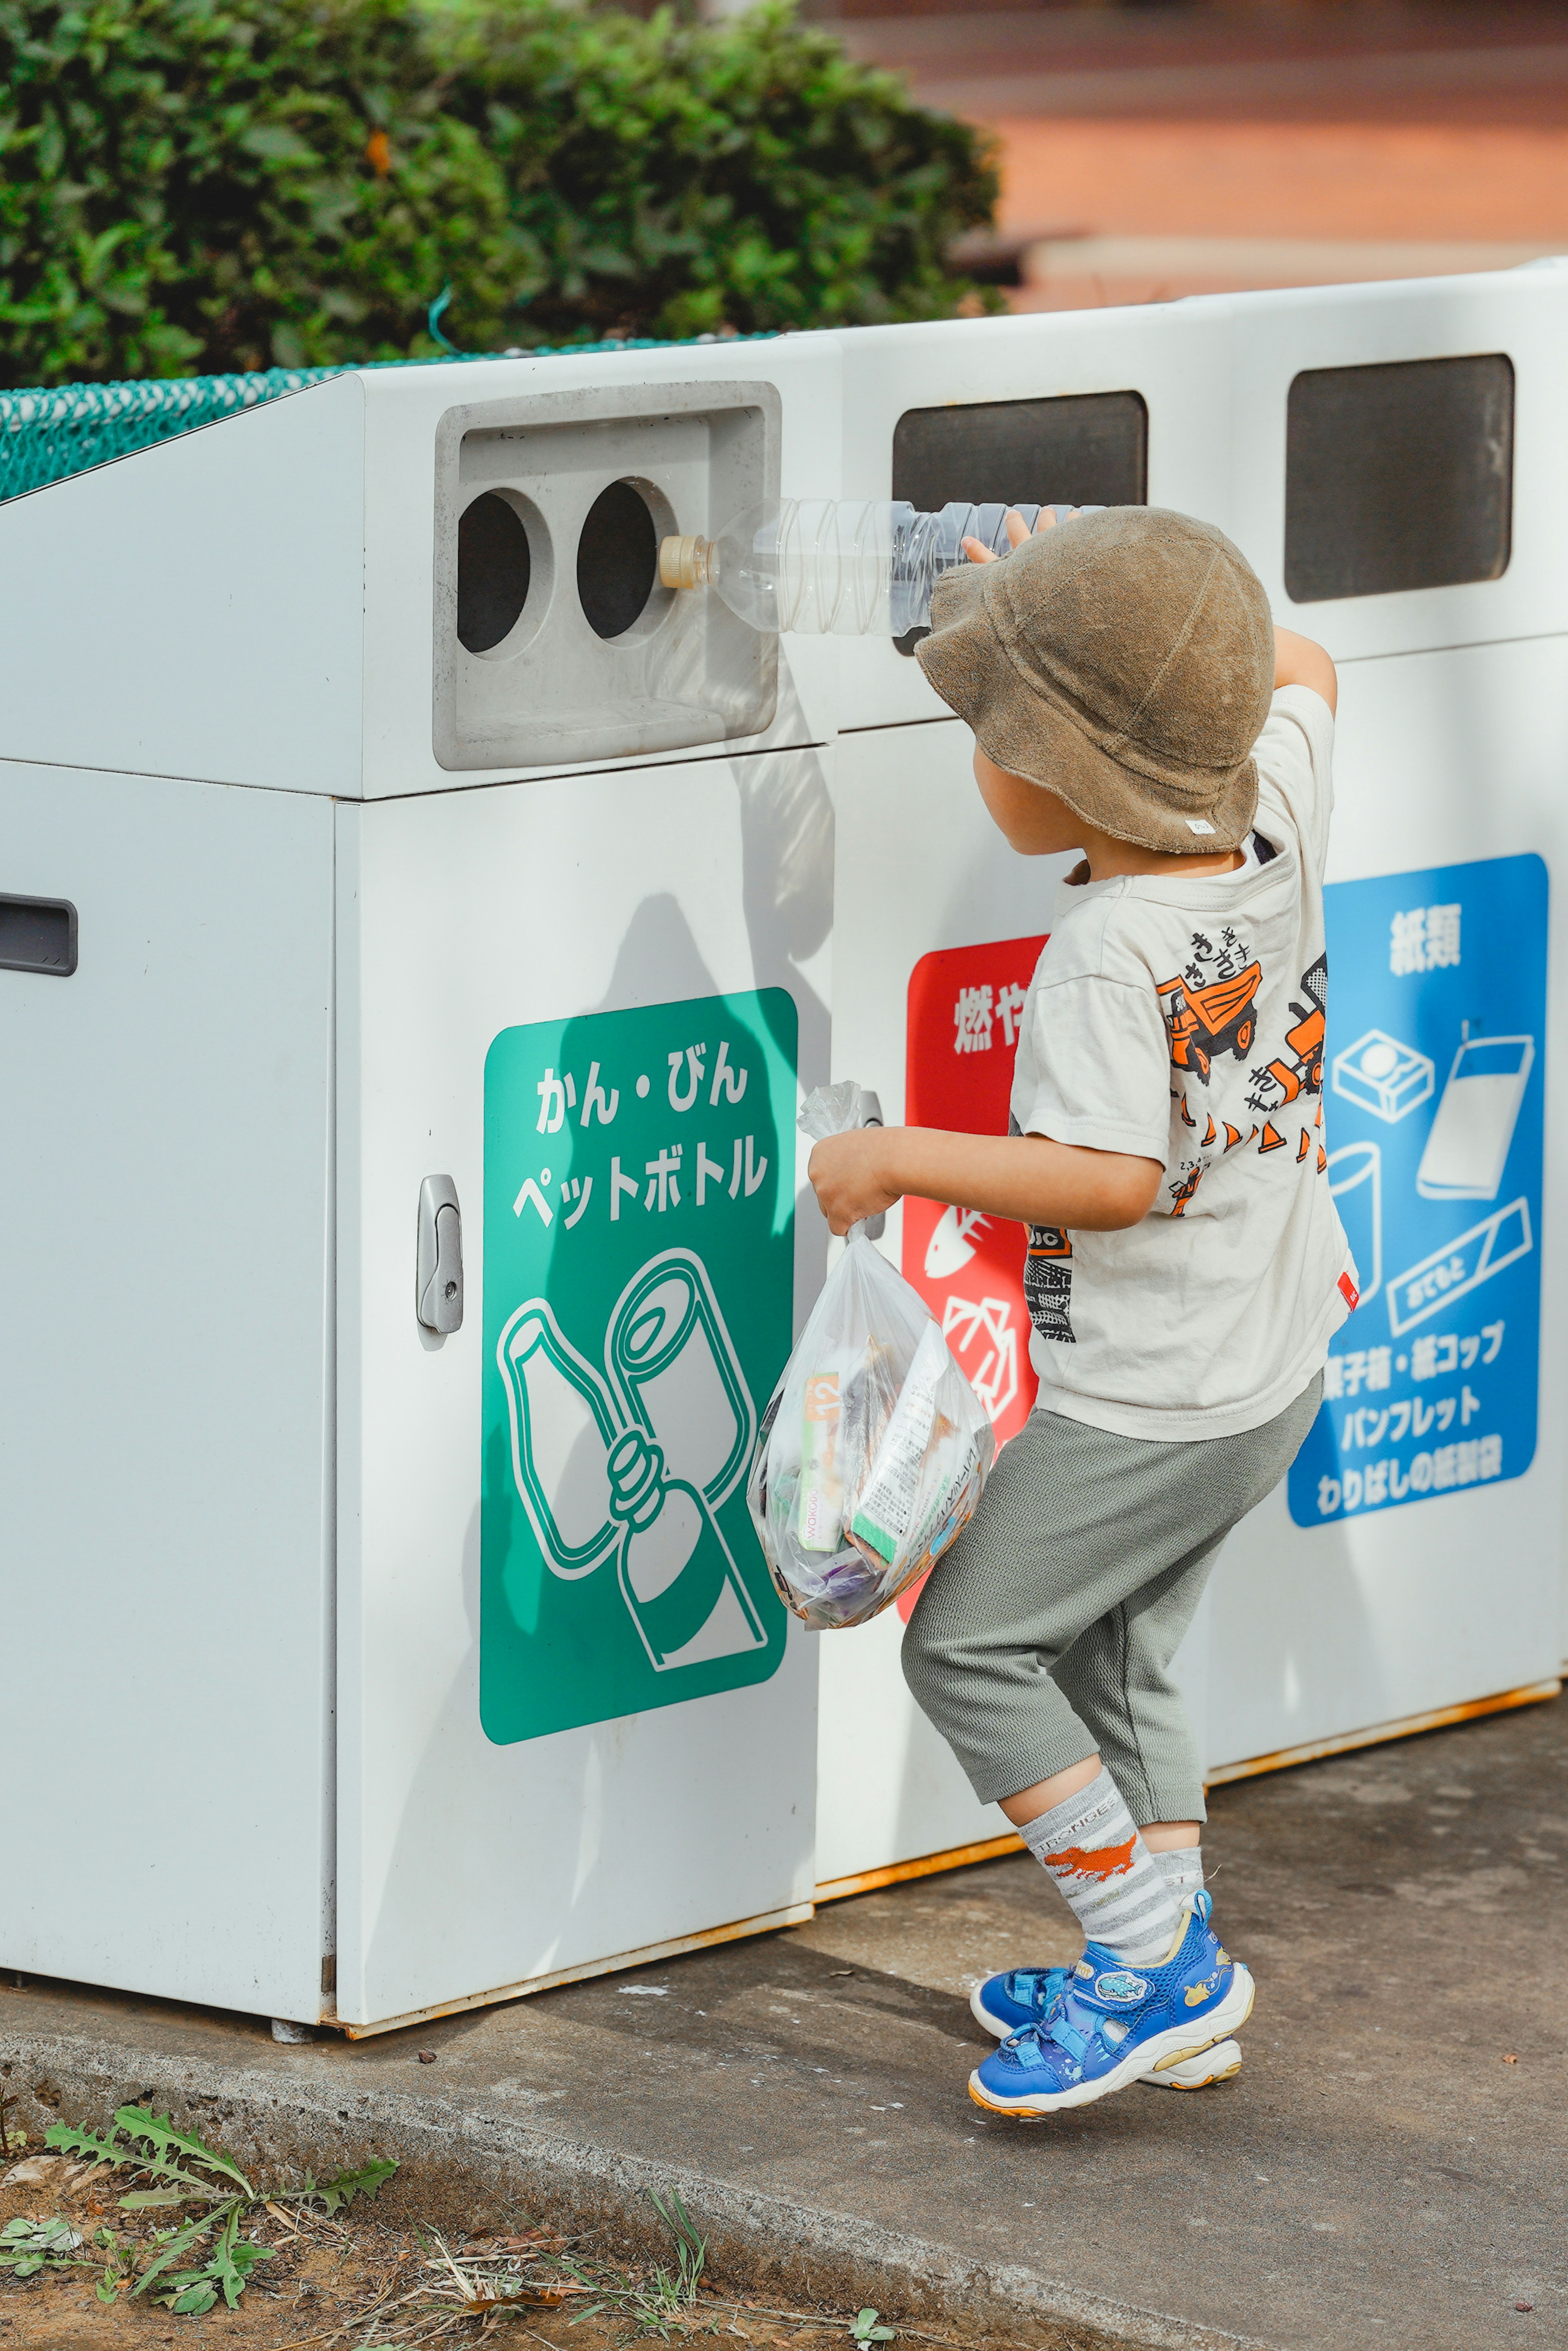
(1398, 465)
(413, 938)
(416, 929)
(1413, 1565)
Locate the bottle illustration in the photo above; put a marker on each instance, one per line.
(637, 1464)
(677, 1577)
(843, 568)
(564, 1422)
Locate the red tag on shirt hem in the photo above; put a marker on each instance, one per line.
(1349, 1292)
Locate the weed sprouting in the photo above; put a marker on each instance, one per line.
(199, 2257)
(29, 2246)
(690, 2251)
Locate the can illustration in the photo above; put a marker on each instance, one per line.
(671, 1360)
(1468, 1148)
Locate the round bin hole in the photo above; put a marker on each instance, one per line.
(617, 560)
(494, 568)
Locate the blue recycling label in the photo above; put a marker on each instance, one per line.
(1433, 1111)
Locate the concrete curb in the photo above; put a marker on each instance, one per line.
(754, 2239)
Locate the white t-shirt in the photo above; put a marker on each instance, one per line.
(1183, 1020)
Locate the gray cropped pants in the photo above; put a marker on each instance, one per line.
(1047, 1633)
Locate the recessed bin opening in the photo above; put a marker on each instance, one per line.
(1398, 475)
(554, 641)
(39, 935)
(617, 560)
(1078, 449)
(494, 569)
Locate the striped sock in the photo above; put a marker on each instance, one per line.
(1182, 1870)
(1106, 1871)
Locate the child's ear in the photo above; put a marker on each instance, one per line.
(1078, 875)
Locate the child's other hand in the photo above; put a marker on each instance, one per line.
(848, 1176)
(1017, 530)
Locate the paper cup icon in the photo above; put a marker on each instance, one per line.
(1355, 1180)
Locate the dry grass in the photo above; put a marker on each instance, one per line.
(382, 2274)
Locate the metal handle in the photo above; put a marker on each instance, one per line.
(438, 1276)
(873, 1227)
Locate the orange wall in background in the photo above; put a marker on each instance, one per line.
(1284, 179)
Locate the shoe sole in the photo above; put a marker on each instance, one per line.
(1161, 2055)
(983, 2016)
(1218, 2062)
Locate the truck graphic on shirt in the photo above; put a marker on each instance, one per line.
(1299, 1069)
(1207, 1019)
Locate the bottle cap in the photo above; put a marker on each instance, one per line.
(636, 1466)
(683, 564)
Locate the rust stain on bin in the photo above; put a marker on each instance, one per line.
(617, 1963)
(1283, 1759)
(1532, 1694)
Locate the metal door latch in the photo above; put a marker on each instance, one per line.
(438, 1281)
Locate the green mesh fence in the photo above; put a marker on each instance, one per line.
(46, 435)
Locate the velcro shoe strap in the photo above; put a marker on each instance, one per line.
(1066, 2036)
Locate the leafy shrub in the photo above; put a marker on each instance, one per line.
(204, 185)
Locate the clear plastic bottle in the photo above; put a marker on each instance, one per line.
(842, 567)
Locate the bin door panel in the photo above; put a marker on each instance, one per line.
(1414, 1559)
(1397, 463)
(933, 913)
(164, 1399)
(576, 1722)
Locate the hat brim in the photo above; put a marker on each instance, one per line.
(1185, 811)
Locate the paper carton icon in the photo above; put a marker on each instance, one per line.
(1468, 1148)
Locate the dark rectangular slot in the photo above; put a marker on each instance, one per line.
(1398, 476)
(38, 935)
(1083, 449)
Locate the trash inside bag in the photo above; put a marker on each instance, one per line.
(874, 1447)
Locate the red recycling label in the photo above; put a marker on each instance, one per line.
(965, 1005)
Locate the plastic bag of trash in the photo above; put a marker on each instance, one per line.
(874, 1447)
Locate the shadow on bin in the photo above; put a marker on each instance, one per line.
(785, 817)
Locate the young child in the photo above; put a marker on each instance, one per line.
(1131, 699)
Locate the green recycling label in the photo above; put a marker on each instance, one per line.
(639, 1272)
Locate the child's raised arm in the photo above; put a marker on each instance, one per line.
(1298, 662)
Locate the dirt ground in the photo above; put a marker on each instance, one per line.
(386, 2273)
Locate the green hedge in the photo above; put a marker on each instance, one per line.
(205, 185)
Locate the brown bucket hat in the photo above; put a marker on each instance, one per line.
(1125, 660)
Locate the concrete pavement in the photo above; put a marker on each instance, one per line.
(1390, 2168)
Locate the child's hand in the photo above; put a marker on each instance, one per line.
(848, 1176)
(1017, 530)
